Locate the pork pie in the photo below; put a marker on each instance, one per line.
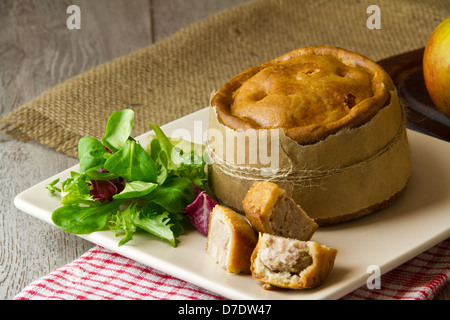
(311, 92)
(231, 240)
(270, 210)
(335, 123)
(291, 263)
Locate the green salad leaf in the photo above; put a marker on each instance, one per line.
(91, 154)
(174, 194)
(127, 188)
(118, 129)
(75, 190)
(136, 189)
(132, 162)
(81, 220)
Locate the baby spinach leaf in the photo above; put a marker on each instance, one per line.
(136, 189)
(101, 175)
(81, 220)
(118, 129)
(161, 160)
(164, 142)
(90, 154)
(174, 194)
(132, 162)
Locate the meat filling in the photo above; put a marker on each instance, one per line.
(288, 220)
(219, 248)
(281, 254)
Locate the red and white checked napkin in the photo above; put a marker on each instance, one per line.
(100, 274)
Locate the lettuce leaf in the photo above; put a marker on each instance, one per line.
(132, 162)
(118, 129)
(128, 189)
(199, 210)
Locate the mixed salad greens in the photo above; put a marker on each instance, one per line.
(122, 186)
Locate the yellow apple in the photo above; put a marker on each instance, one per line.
(436, 66)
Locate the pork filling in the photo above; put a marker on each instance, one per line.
(285, 255)
(288, 220)
(219, 247)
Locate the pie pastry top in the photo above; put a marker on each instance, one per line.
(310, 93)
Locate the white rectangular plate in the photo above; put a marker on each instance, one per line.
(417, 221)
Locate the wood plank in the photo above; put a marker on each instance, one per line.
(170, 16)
(37, 51)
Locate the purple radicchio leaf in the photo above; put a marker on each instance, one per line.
(199, 210)
(104, 190)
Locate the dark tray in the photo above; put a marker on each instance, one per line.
(422, 115)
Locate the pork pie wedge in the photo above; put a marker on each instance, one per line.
(270, 210)
(333, 123)
(290, 263)
(230, 240)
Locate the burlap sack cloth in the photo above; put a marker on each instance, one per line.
(176, 76)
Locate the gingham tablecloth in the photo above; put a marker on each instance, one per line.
(101, 274)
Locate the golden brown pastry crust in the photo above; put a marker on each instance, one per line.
(263, 199)
(241, 242)
(323, 259)
(310, 93)
(258, 204)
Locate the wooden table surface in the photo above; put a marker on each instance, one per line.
(37, 52)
